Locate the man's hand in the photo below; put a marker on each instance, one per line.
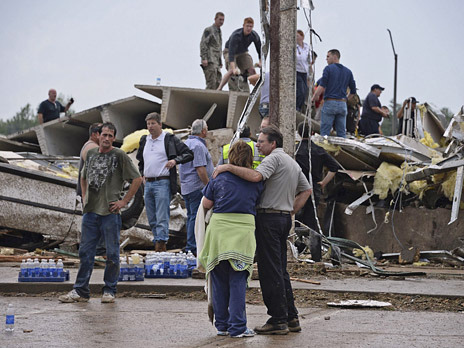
(321, 184)
(204, 62)
(115, 207)
(171, 164)
(220, 169)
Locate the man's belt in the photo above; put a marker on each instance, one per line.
(272, 211)
(343, 100)
(157, 178)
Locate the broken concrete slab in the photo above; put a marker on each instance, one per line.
(66, 135)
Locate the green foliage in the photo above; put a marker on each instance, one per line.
(63, 101)
(23, 119)
(447, 112)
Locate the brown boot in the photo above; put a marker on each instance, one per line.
(157, 247)
(162, 245)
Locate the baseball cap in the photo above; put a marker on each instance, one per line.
(376, 86)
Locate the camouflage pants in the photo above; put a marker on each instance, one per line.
(213, 76)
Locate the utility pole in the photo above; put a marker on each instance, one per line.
(282, 110)
(394, 88)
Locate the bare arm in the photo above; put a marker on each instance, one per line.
(40, 118)
(380, 111)
(300, 200)
(201, 171)
(207, 204)
(83, 188)
(116, 206)
(327, 178)
(319, 91)
(242, 172)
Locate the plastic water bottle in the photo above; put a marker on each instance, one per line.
(52, 268)
(23, 268)
(59, 267)
(43, 268)
(9, 324)
(36, 267)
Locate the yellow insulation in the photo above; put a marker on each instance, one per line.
(131, 141)
(387, 178)
(427, 140)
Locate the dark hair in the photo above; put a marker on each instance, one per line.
(95, 128)
(240, 154)
(153, 116)
(303, 129)
(335, 53)
(219, 14)
(273, 134)
(245, 132)
(110, 126)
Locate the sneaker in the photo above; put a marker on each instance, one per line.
(247, 333)
(272, 329)
(107, 298)
(222, 333)
(294, 325)
(71, 297)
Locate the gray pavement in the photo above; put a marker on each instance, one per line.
(138, 322)
(409, 286)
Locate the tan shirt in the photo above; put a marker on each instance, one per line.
(283, 180)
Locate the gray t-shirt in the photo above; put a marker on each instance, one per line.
(105, 174)
(283, 180)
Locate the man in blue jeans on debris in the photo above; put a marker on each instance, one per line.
(105, 170)
(334, 82)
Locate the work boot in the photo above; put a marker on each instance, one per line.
(162, 245)
(157, 247)
(294, 325)
(272, 329)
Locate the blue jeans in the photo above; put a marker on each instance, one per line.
(263, 109)
(334, 114)
(95, 226)
(192, 202)
(157, 197)
(229, 290)
(301, 89)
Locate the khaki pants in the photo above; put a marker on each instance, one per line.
(213, 76)
(235, 82)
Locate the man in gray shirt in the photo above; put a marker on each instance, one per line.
(286, 190)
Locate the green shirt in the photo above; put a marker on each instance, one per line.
(105, 174)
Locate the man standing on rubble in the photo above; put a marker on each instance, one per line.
(158, 155)
(50, 109)
(105, 170)
(285, 192)
(210, 52)
(194, 176)
(372, 112)
(236, 54)
(336, 78)
(407, 104)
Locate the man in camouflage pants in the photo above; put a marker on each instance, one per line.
(210, 52)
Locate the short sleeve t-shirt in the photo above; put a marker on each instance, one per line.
(370, 102)
(105, 174)
(50, 111)
(283, 180)
(232, 194)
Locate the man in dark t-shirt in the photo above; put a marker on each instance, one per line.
(372, 112)
(50, 109)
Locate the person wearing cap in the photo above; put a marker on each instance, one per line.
(400, 114)
(372, 112)
(336, 78)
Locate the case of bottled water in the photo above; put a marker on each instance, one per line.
(169, 265)
(131, 269)
(43, 271)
